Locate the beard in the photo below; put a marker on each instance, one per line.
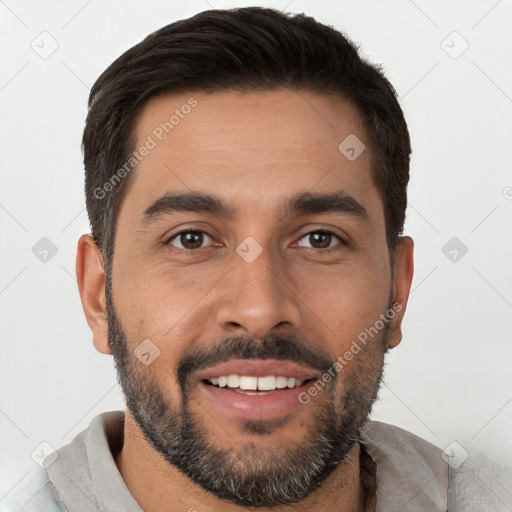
(247, 474)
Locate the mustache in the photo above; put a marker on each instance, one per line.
(281, 348)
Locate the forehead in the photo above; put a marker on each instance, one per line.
(250, 148)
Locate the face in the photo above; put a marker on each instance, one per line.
(250, 256)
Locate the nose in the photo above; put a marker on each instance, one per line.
(257, 298)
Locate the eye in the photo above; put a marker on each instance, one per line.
(319, 240)
(189, 240)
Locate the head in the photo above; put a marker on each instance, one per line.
(246, 176)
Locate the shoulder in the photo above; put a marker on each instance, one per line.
(33, 493)
(39, 488)
(411, 473)
(391, 441)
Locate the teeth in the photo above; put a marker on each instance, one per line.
(267, 383)
(233, 381)
(281, 382)
(248, 382)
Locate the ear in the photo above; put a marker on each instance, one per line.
(91, 285)
(404, 270)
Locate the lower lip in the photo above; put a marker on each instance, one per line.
(273, 404)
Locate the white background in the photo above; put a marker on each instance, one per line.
(449, 380)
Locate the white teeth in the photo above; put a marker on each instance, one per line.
(248, 382)
(267, 383)
(233, 381)
(281, 382)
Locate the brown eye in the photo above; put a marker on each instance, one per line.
(319, 239)
(189, 240)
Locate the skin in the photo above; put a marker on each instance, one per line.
(253, 150)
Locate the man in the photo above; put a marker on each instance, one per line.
(246, 177)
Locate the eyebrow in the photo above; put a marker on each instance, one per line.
(300, 204)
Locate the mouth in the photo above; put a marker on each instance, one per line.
(251, 385)
(255, 389)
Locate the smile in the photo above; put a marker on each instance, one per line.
(255, 389)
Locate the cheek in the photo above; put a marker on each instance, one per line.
(152, 292)
(347, 299)
(157, 303)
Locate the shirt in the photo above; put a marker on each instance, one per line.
(399, 470)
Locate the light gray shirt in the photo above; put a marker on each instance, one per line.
(410, 476)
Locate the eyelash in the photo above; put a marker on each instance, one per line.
(194, 251)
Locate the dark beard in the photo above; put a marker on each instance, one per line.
(248, 475)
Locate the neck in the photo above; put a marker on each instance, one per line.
(156, 485)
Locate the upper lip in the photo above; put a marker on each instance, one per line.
(258, 368)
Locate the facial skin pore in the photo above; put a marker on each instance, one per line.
(304, 298)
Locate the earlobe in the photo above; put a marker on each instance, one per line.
(91, 285)
(404, 270)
